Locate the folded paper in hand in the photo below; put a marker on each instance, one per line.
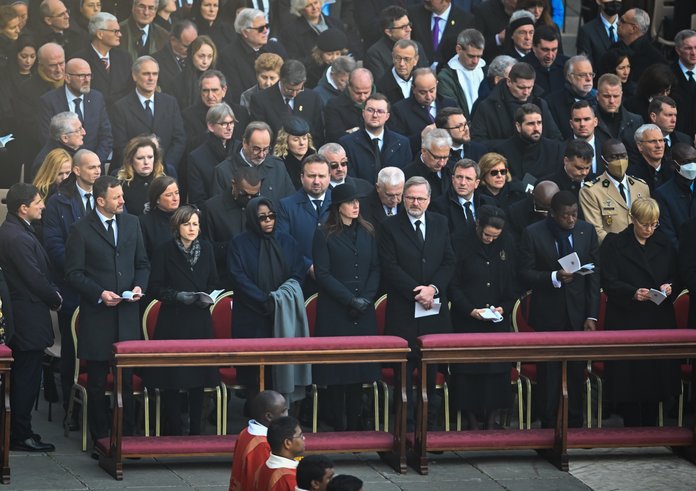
(209, 298)
(657, 296)
(129, 295)
(434, 310)
(571, 264)
(491, 314)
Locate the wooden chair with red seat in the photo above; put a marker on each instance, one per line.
(149, 322)
(681, 311)
(221, 316)
(78, 392)
(527, 371)
(389, 377)
(595, 371)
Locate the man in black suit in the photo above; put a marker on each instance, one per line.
(288, 97)
(78, 97)
(343, 113)
(431, 162)
(614, 120)
(583, 123)
(634, 27)
(395, 26)
(106, 262)
(561, 301)
(577, 163)
(33, 296)
(493, 17)
(172, 56)
(412, 115)
(146, 111)
(528, 152)
(453, 120)
(684, 91)
(396, 82)
(237, 58)
(546, 61)
(579, 77)
(533, 208)
(675, 197)
(374, 146)
(461, 202)
(494, 118)
(111, 65)
(662, 111)
(141, 36)
(436, 26)
(56, 27)
(339, 165)
(597, 36)
(65, 131)
(650, 164)
(417, 265)
(385, 200)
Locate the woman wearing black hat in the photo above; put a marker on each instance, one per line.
(331, 44)
(293, 144)
(347, 273)
(483, 283)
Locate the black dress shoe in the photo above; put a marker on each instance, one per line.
(95, 453)
(31, 445)
(73, 424)
(36, 437)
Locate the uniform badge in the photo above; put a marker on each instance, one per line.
(605, 183)
(609, 220)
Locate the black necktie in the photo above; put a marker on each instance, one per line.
(611, 35)
(78, 110)
(105, 62)
(690, 76)
(377, 152)
(110, 230)
(390, 211)
(181, 62)
(622, 192)
(457, 154)
(468, 213)
(88, 203)
(317, 205)
(419, 234)
(149, 113)
(287, 103)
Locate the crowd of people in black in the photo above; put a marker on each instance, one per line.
(444, 153)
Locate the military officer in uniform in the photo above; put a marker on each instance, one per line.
(606, 200)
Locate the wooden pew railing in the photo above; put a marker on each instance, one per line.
(262, 353)
(5, 365)
(550, 347)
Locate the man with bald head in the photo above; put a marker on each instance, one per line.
(675, 197)
(78, 97)
(252, 449)
(535, 207)
(55, 27)
(343, 113)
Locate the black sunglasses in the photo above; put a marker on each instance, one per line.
(266, 218)
(259, 29)
(495, 172)
(334, 165)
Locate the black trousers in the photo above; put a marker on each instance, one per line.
(172, 401)
(26, 381)
(97, 408)
(67, 355)
(411, 365)
(549, 387)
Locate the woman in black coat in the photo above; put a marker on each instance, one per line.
(142, 163)
(484, 281)
(346, 266)
(163, 202)
(182, 267)
(632, 262)
(496, 181)
(260, 260)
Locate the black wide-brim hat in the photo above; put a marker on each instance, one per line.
(343, 193)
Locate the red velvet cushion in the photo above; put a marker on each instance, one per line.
(648, 336)
(174, 445)
(228, 375)
(686, 371)
(598, 368)
(348, 441)
(256, 345)
(629, 437)
(482, 440)
(529, 370)
(137, 382)
(5, 351)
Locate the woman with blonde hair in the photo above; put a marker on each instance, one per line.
(267, 67)
(497, 182)
(55, 168)
(142, 163)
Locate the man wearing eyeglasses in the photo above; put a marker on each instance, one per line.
(579, 77)
(55, 27)
(141, 36)
(650, 164)
(396, 82)
(338, 169)
(110, 64)
(374, 147)
(635, 39)
(453, 120)
(65, 131)
(172, 57)
(395, 26)
(78, 97)
(431, 162)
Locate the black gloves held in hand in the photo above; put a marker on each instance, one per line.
(360, 304)
(269, 306)
(187, 298)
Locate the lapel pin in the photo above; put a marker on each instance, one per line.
(300, 108)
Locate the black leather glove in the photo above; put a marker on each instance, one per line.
(187, 298)
(360, 304)
(201, 304)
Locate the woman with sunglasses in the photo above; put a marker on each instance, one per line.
(181, 267)
(483, 286)
(346, 266)
(293, 144)
(496, 181)
(638, 268)
(260, 259)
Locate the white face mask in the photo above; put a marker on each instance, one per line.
(688, 171)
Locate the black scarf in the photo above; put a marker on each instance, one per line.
(562, 237)
(192, 253)
(272, 270)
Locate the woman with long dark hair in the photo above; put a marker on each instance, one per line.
(346, 266)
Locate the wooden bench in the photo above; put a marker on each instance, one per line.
(5, 365)
(254, 352)
(543, 347)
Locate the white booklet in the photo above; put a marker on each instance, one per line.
(129, 295)
(490, 314)
(209, 298)
(571, 264)
(657, 296)
(421, 312)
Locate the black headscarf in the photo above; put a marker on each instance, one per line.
(272, 270)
